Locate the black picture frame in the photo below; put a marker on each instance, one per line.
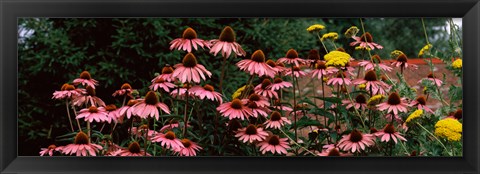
(10, 10)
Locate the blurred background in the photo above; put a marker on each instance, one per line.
(54, 51)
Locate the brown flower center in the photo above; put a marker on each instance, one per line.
(90, 91)
(170, 135)
(131, 102)
(227, 35)
(366, 36)
(384, 78)
(258, 56)
(251, 130)
(356, 136)
(402, 58)
(126, 86)
(111, 107)
(208, 88)
(234, 125)
(296, 68)
(275, 116)
(186, 142)
(64, 86)
(265, 83)
(167, 69)
(370, 76)
(360, 99)
(236, 104)
(252, 105)
(393, 99)
(422, 100)
(189, 60)
(69, 88)
(313, 55)
(431, 75)
(93, 109)
(340, 75)
(376, 59)
(278, 80)
(458, 114)
(280, 64)
(274, 140)
(151, 98)
(134, 147)
(254, 97)
(291, 53)
(271, 63)
(373, 130)
(189, 33)
(85, 75)
(341, 50)
(81, 138)
(160, 80)
(389, 129)
(52, 147)
(321, 65)
(334, 152)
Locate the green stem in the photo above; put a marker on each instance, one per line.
(69, 117)
(431, 134)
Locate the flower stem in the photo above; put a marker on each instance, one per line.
(78, 122)
(320, 39)
(294, 108)
(431, 134)
(294, 142)
(185, 118)
(69, 117)
(222, 75)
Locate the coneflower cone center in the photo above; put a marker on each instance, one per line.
(254, 97)
(458, 114)
(402, 58)
(151, 98)
(366, 36)
(431, 75)
(271, 63)
(252, 105)
(236, 104)
(134, 147)
(126, 86)
(280, 64)
(274, 140)
(52, 146)
(334, 152)
(189, 60)
(64, 86)
(81, 138)
(208, 88)
(85, 75)
(292, 54)
(90, 91)
(356, 136)
(69, 88)
(167, 70)
(361, 99)
(266, 83)
(389, 129)
(376, 59)
(393, 99)
(227, 35)
(313, 55)
(111, 107)
(278, 80)
(189, 33)
(340, 75)
(422, 100)
(321, 65)
(370, 76)
(296, 68)
(276, 116)
(160, 80)
(251, 130)
(170, 135)
(258, 56)
(186, 143)
(93, 109)
(131, 102)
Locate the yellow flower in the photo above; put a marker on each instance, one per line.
(375, 99)
(414, 115)
(449, 128)
(361, 86)
(238, 92)
(362, 48)
(316, 27)
(331, 35)
(337, 58)
(325, 79)
(352, 31)
(457, 64)
(396, 53)
(425, 49)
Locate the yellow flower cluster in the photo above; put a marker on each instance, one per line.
(376, 99)
(352, 31)
(337, 58)
(331, 35)
(449, 128)
(362, 86)
(414, 115)
(238, 92)
(316, 27)
(396, 53)
(362, 48)
(425, 49)
(457, 64)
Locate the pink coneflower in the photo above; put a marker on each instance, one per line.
(278, 68)
(421, 103)
(189, 39)
(189, 148)
(321, 70)
(234, 109)
(140, 131)
(168, 140)
(332, 150)
(86, 80)
(388, 133)
(167, 72)
(432, 77)
(148, 107)
(171, 125)
(297, 72)
(226, 44)
(256, 110)
(208, 92)
(394, 103)
(189, 70)
(113, 114)
(125, 89)
(93, 113)
(291, 58)
(81, 146)
(260, 100)
(397, 118)
(49, 150)
(127, 110)
(359, 102)
(276, 121)
(372, 84)
(338, 80)
(365, 40)
(89, 98)
(67, 92)
(274, 144)
(374, 62)
(256, 65)
(161, 83)
(251, 133)
(279, 84)
(132, 150)
(356, 141)
(264, 89)
(401, 62)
